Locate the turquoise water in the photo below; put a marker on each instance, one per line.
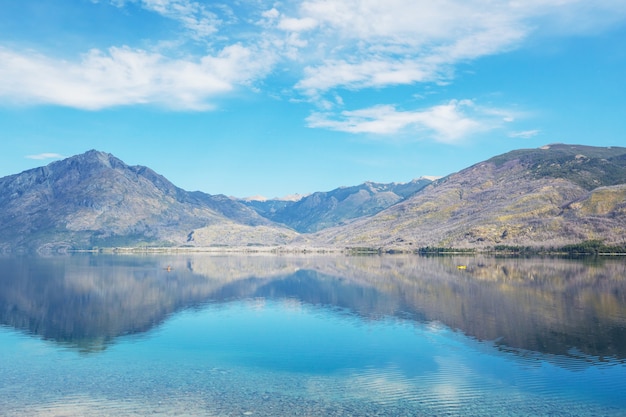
(307, 336)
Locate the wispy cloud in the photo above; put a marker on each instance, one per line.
(376, 44)
(448, 122)
(42, 156)
(192, 15)
(525, 134)
(376, 73)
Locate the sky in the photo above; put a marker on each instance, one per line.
(272, 98)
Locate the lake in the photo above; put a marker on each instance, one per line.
(309, 335)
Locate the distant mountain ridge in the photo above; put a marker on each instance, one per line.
(321, 210)
(551, 196)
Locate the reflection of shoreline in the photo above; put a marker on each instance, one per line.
(547, 305)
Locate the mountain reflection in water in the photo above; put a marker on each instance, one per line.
(564, 307)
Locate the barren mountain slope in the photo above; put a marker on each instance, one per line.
(537, 197)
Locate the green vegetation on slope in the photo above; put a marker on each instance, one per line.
(587, 166)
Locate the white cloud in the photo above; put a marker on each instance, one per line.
(378, 73)
(449, 122)
(297, 25)
(378, 43)
(382, 43)
(525, 134)
(571, 17)
(192, 15)
(42, 156)
(271, 14)
(323, 46)
(125, 76)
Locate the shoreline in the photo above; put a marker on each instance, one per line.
(354, 251)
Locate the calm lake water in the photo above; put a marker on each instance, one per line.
(99, 335)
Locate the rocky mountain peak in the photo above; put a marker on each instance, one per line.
(95, 199)
(90, 160)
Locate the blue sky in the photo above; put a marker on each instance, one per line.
(256, 97)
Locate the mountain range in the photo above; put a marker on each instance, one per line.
(321, 210)
(551, 196)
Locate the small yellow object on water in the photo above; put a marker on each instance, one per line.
(462, 267)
